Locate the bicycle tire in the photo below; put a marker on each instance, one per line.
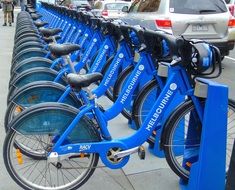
(36, 93)
(37, 74)
(143, 104)
(169, 129)
(28, 53)
(27, 46)
(26, 35)
(26, 31)
(30, 63)
(120, 83)
(32, 75)
(10, 148)
(32, 39)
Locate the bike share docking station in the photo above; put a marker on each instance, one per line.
(208, 168)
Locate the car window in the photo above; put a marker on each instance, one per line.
(115, 6)
(134, 6)
(98, 5)
(228, 1)
(200, 7)
(145, 6)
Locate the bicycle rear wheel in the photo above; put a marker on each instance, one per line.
(35, 93)
(33, 75)
(174, 137)
(28, 53)
(25, 153)
(30, 63)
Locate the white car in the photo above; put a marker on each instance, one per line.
(208, 20)
(80, 4)
(110, 9)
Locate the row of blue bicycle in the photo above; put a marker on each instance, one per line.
(57, 131)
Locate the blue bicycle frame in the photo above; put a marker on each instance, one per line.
(176, 82)
(122, 58)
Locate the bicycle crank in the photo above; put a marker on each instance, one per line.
(140, 150)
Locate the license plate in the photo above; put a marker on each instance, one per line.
(200, 28)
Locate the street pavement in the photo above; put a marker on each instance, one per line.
(151, 174)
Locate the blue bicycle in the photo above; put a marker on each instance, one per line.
(43, 91)
(66, 143)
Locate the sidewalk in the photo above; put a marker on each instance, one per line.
(150, 174)
(6, 46)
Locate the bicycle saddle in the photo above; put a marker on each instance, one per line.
(78, 81)
(40, 23)
(63, 49)
(50, 31)
(35, 16)
(50, 38)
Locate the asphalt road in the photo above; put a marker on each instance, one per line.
(228, 74)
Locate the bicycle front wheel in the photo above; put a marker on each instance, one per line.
(119, 86)
(175, 138)
(144, 103)
(25, 153)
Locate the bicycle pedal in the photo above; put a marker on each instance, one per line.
(141, 152)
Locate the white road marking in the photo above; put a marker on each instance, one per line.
(233, 59)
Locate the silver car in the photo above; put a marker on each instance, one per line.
(110, 9)
(209, 20)
(80, 4)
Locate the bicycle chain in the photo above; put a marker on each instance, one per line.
(70, 168)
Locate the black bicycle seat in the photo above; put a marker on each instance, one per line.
(50, 38)
(35, 16)
(63, 49)
(50, 31)
(40, 23)
(78, 81)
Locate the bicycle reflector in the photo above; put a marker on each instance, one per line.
(19, 156)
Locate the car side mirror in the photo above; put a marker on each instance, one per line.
(125, 9)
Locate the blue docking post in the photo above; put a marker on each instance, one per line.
(208, 169)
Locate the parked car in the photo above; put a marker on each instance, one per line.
(231, 6)
(110, 9)
(80, 4)
(209, 20)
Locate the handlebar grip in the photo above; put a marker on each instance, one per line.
(116, 28)
(169, 38)
(138, 30)
(185, 50)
